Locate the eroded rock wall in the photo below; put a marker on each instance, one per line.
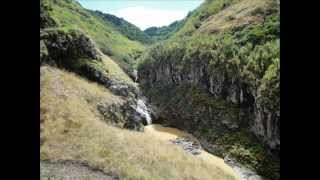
(263, 122)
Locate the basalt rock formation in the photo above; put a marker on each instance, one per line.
(242, 102)
(218, 77)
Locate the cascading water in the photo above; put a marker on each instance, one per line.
(144, 111)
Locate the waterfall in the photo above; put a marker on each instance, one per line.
(143, 110)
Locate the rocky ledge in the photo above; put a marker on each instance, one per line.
(132, 114)
(243, 172)
(188, 145)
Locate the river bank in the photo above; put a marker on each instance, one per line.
(227, 164)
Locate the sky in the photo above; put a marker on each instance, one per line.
(144, 13)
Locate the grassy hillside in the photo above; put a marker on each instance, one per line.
(214, 69)
(206, 9)
(68, 14)
(72, 129)
(216, 16)
(162, 33)
(129, 30)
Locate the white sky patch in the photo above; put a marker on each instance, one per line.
(145, 17)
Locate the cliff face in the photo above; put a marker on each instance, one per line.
(218, 77)
(220, 103)
(263, 121)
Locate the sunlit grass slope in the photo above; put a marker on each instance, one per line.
(215, 16)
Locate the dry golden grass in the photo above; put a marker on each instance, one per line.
(233, 16)
(71, 129)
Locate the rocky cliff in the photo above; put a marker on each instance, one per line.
(249, 110)
(211, 101)
(221, 81)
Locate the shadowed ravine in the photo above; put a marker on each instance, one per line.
(169, 134)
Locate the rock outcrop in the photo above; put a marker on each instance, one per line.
(45, 19)
(188, 145)
(264, 122)
(76, 52)
(133, 114)
(65, 49)
(117, 87)
(211, 105)
(239, 66)
(243, 172)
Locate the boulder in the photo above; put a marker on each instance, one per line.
(130, 115)
(188, 145)
(66, 48)
(242, 171)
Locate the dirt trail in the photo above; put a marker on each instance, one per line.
(71, 171)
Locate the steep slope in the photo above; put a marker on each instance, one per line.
(129, 30)
(72, 129)
(218, 78)
(74, 50)
(162, 33)
(68, 14)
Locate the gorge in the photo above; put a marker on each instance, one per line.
(198, 99)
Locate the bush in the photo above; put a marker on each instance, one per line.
(246, 148)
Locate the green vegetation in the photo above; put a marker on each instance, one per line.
(208, 8)
(227, 53)
(114, 71)
(252, 52)
(230, 49)
(129, 30)
(162, 33)
(72, 50)
(68, 14)
(232, 40)
(69, 49)
(45, 19)
(246, 148)
(192, 108)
